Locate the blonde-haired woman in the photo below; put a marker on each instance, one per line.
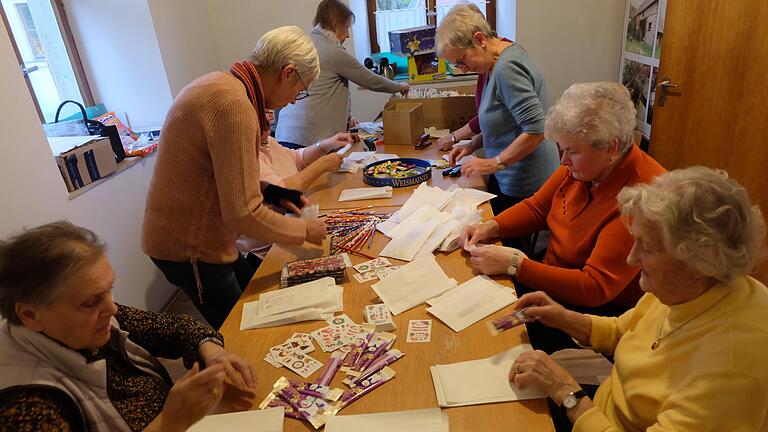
(205, 189)
(691, 355)
(511, 112)
(585, 265)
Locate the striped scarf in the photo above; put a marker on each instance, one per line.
(247, 73)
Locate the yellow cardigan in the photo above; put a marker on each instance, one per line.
(711, 374)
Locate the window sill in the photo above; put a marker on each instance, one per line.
(121, 166)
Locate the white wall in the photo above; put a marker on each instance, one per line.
(572, 41)
(33, 192)
(121, 57)
(186, 42)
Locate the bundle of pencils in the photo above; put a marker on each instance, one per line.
(352, 229)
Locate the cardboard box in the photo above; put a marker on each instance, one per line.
(403, 122)
(426, 67)
(445, 112)
(87, 163)
(412, 40)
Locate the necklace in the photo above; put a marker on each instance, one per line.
(659, 337)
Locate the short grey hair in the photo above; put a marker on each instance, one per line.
(35, 264)
(596, 112)
(287, 45)
(706, 220)
(458, 27)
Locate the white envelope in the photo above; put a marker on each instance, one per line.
(412, 284)
(423, 420)
(365, 193)
(470, 302)
(266, 420)
(481, 381)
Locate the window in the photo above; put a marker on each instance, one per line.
(47, 55)
(387, 15)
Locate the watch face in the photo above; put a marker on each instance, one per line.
(569, 401)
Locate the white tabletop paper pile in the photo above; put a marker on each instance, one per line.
(431, 219)
(423, 420)
(314, 300)
(470, 302)
(365, 193)
(266, 420)
(481, 381)
(413, 284)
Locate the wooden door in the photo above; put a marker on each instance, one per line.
(716, 52)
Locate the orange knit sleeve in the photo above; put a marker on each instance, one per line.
(233, 137)
(530, 215)
(604, 275)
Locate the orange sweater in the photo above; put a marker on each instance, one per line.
(586, 261)
(205, 190)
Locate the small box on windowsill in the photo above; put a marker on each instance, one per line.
(83, 159)
(426, 67)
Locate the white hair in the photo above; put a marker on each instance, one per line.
(596, 112)
(458, 27)
(284, 46)
(705, 218)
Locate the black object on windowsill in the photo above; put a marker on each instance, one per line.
(98, 128)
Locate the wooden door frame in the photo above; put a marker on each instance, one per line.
(16, 51)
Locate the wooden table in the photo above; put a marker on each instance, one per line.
(412, 386)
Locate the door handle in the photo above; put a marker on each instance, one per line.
(664, 85)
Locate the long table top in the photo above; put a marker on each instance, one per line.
(412, 387)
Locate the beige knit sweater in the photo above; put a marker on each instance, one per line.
(205, 190)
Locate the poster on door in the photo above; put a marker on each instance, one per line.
(641, 48)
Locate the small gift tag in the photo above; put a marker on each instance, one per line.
(372, 265)
(300, 363)
(419, 331)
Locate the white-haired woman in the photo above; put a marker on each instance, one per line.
(73, 360)
(511, 112)
(205, 189)
(691, 355)
(585, 264)
(326, 110)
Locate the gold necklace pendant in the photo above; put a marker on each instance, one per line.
(654, 345)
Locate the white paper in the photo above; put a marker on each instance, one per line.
(412, 284)
(343, 150)
(385, 156)
(438, 236)
(480, 381)
(470, 302)
(365, 193)
(424, 194)
(406, 245)
(320, 292)
(423, 420)
(60, 145)
(267, 420)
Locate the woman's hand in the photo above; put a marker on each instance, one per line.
(315, 231)
(553, 314)
(535, 369)
(239, 371)
(235, 399)
(404, 88)
(494, 260)
(479, 166)
(445, 143)
(352, 122)
(459, 152)
(475, 233)
(330, 162)
(337, 141)
(192, 397)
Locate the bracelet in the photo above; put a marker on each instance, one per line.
(453, 138)
(212, 339)
(499, 162)
(317, 144)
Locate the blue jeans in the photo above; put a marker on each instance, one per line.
(222, 285)
(291, 145)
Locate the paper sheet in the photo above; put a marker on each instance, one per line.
(481, 381)
(412, 284)
(267, 420)
(424, 420)
(424, 194)
(470, 302)
(365, 193)
(320, 292)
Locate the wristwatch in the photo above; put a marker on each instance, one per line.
(500, 164)
(514, 265)
(453, 138)
(572, 399)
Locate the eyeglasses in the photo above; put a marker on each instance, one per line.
(460, 62)
(303, 93)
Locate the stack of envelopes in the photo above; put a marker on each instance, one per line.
(314, 300)
(413, 284)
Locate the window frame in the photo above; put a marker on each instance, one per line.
(72, 52)
(490, 11)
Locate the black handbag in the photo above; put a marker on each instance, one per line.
(95, 127)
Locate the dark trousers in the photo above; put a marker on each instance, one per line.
(549, 339)
(501, 203)
(291, 145)
(222, 285)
